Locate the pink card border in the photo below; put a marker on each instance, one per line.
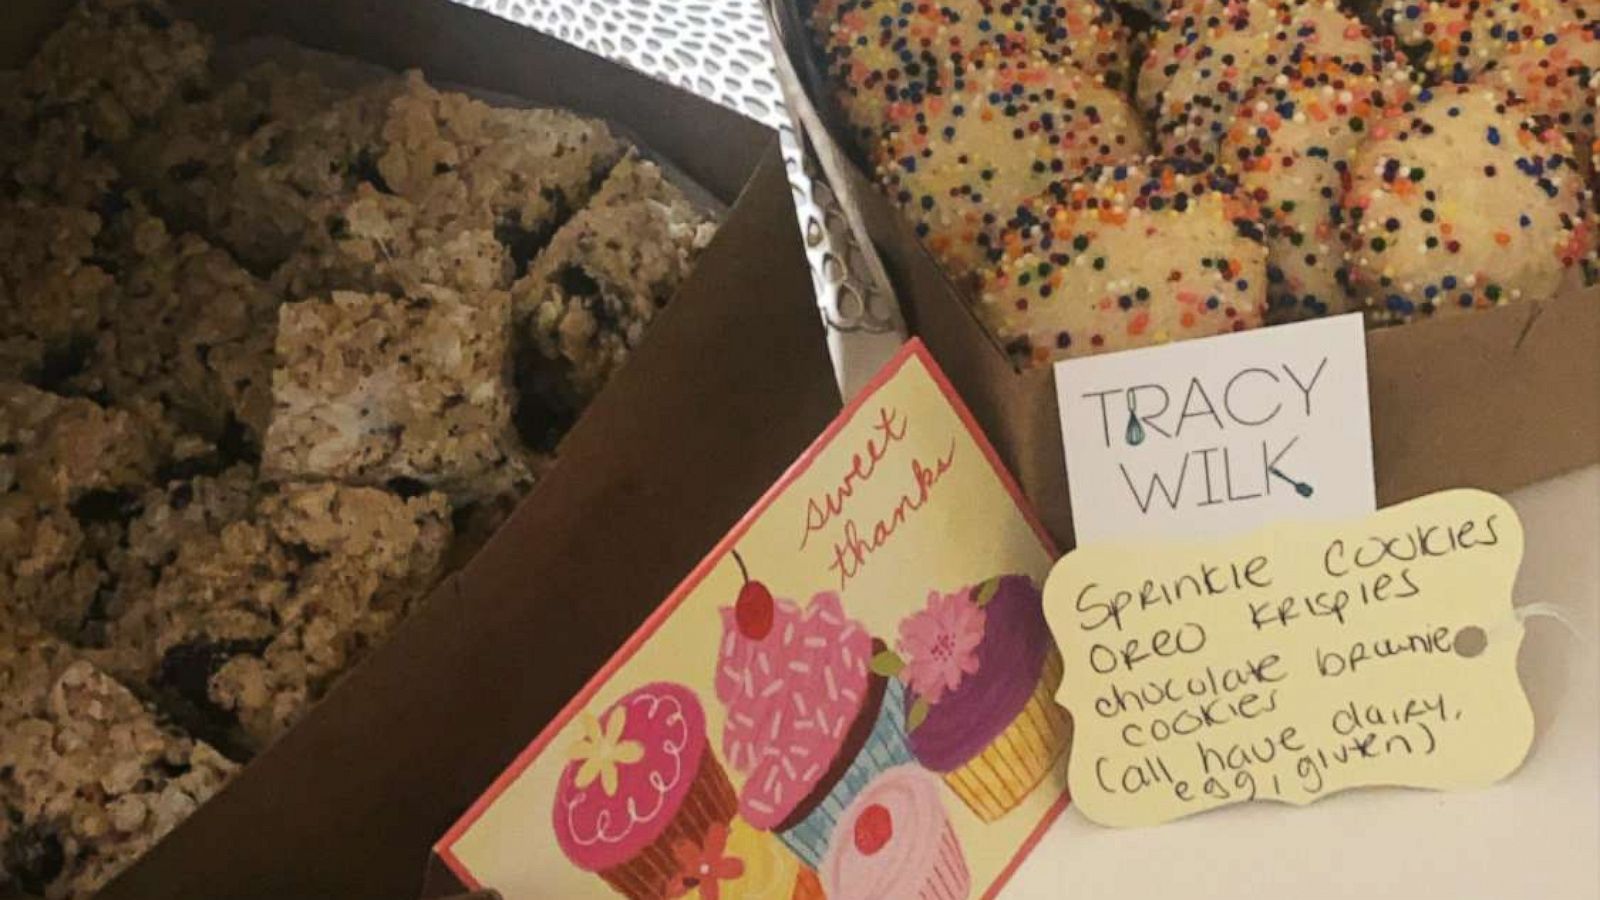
(913, 349)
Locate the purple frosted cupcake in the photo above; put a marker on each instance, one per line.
(982, 674)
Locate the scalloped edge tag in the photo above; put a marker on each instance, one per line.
(1294, 662)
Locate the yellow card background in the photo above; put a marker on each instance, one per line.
(1390, 591)
(969, 529)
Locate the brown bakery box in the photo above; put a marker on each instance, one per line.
(731, 385)
(1493, 400)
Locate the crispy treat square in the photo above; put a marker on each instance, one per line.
(374, 242)
(591, 294)
(64, 463)
(527, 170)
(251, 623)
(189, 161)
(188, 330)
(54, 294)
(56, 449)
(90, 778)
(375, 388)
(116, 63)
(457, 194)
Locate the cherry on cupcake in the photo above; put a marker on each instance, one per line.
(754, 610)
(874, 828)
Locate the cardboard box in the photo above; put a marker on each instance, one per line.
(1493, 400)
(347, 804)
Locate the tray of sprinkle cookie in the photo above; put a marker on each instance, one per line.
(1046, 179)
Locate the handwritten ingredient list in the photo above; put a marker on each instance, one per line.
(1293, 662)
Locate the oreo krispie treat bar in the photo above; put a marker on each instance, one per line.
(94, 83)
(115, 63)
(159, 522)
(48, 157)
(248, 625)
(380, 389)
(253, 163)
(371, 242)
(257, 391)
(90, 777)
(189, 162)
(188, 331)
(456, 194)
(590, 295)
(54, 294)
(345, 191)
(63, 461)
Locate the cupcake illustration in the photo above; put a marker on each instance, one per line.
(982, 674)
(808, 724)
(895, 840)
(739, 862)
(640, 782)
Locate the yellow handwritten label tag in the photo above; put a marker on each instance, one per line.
(1294, 662)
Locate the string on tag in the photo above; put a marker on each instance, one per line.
(1543, 610)
(1471, 640)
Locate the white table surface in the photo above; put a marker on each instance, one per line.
(1535, 835)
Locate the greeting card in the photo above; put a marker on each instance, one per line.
(852, 695)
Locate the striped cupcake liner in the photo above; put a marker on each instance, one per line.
(885, 748)
(711, 800)
(997, 780)
(947, 878)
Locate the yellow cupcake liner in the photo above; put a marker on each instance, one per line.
(771, 872)
(998, 779)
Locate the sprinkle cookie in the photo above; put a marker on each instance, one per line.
(1003, 133)
(1557, 76)
(1457, 40)
(1134, 256)
(1292, 143)
(885, 53)
(1209, 54)
(1465, 205)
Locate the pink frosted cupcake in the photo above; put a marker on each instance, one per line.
(642, 782)
(895, 840)
(808, 724)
